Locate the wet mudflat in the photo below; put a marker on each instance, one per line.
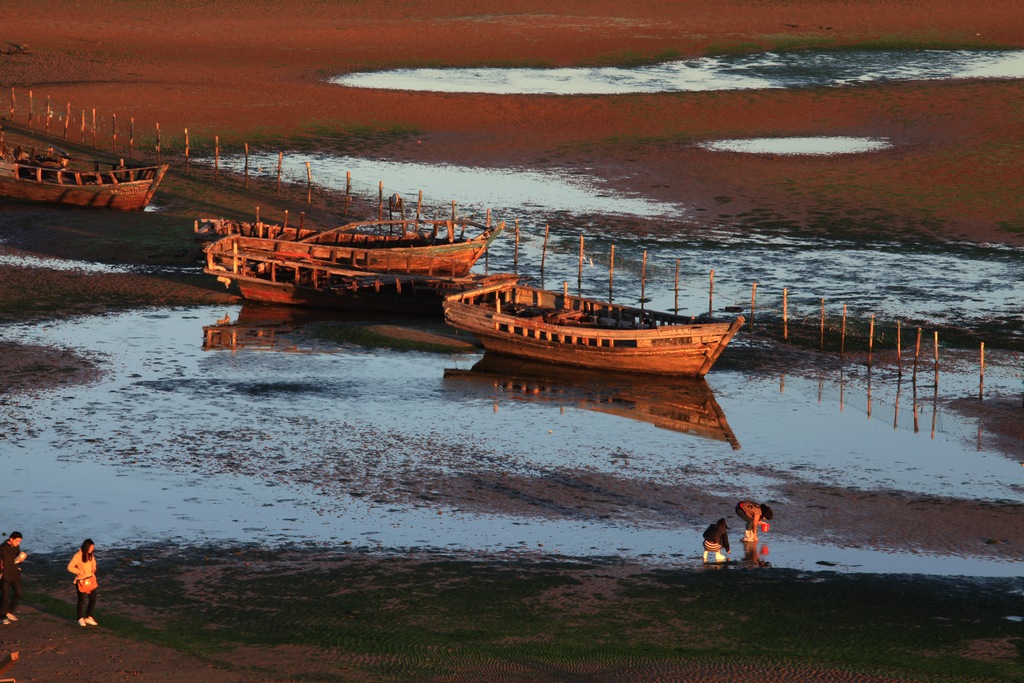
(314, 443)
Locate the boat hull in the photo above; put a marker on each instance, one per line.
(528, 323)
(68, 188)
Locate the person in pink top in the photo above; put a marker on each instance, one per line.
(83, 566)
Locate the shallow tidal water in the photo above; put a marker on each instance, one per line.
(797, 69)
(343, 445)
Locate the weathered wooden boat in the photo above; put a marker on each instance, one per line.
(516, 320)
(261, 272)
(125, 188)
(414, 247)
(681, 404)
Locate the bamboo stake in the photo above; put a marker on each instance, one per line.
(186, 151)
(899, 351)
(611, 272)
(871, 338)
(245, 173)
(842, 337)
(83, 126)
(917, 354)
(380, 201)
(309, 184)
(753, 300)
(419, 210)
(67, 120)
(31, 108)
(515, 254)
(785, 314)
(543, 250)
(49, 113)
(579, 277)
(676, 309)
(216, 157)
(936, 360)
(94, 126)
(280, 165)
(113, 132)
(643, 281)
(131, 137)
(157, 142)
(823, 324)
(711, 294)
(14, 101)
(981, 381)
(453, 209)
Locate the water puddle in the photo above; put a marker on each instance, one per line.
(800, 145)
(198, 440)
(960, 285)
(737, 72)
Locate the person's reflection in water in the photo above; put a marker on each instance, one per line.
(754, 554)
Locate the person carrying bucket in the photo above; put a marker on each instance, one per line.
(755, 515)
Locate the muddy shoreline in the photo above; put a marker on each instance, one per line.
(350, 613)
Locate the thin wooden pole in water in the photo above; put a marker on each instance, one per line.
(785, 314)
(31, 108)
(936, 346)
(309, 184)
(131, 137)
(380, 200)
(871, 338)
(917, 354)
(753, 301)
(453, 209)
(823, 324)
(676, 308)
(981, 381)
(157, 136)
(14, 101)
(643, 281)
(186, 150)
(579, 277)
(419, 210)
(280, 166)
(711, 293)
(246, 173)
(216, 157)
(611, 272)
(515, 254)
(543, 249)
(842, 336)
(113, 132)
(83, 128)
(67, 120)
(49, 113)
(94, 126)
(899, 351)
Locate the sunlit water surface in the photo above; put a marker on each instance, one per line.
(181, 444)
(798, 69)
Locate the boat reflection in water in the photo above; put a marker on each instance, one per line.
(266, 328)
(683, 405)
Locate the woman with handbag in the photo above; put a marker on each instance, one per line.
(83, 566)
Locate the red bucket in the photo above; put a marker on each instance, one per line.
(765, 526)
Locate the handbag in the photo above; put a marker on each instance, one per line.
(86, 585)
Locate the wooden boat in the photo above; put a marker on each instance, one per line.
(125, 188)
(553, 327)
(686, 405)
(261, 272)
(414, 247)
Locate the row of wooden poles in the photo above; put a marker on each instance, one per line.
(49, 115)
(753, 309)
